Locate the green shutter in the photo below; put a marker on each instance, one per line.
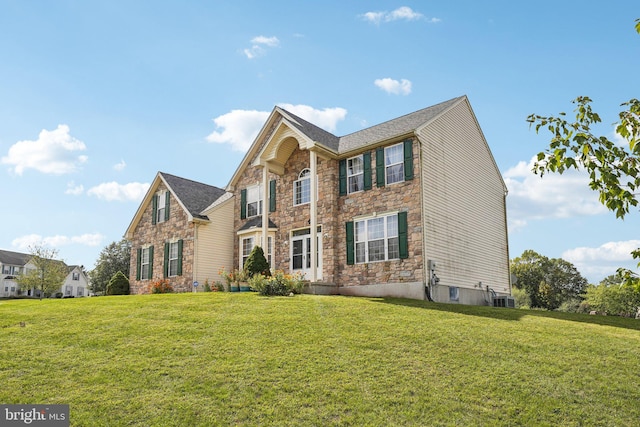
(154, 205)
(166, 206)
(166, 259)
(272, 195)
(138, 264)
(350, 244)
(150, 262)
(408, 160)
(342, 177)
(380, 175)
(403, 235)
(179, 257)
(366, 159)
(243, 203)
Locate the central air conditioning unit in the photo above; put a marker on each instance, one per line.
(504, 301)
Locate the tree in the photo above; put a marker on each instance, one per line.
(614, 169)
(548, 282)
(614, 296)
(256, 263)
(113, 258)
(49, 273)
(118, 285)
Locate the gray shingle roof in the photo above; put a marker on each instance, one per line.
(314, 132)
(372, 135)
(195, 196)
(13, 258)
(256, 222)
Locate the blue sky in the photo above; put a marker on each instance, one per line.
(96, 97)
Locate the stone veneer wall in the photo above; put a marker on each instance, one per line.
(177, 227)
(404, 196)
(333, 212)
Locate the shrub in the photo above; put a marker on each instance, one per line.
(278, 284)
(256, 263)
(118, 284)
(207, 287)
(161, 286)
(218, 287)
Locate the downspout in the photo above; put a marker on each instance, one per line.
(194, 267)
(426, 273)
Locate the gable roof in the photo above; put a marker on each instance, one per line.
(13, 258)
(394, 128)
(192, 196)
(340, 146)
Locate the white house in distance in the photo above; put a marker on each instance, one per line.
(76, 284)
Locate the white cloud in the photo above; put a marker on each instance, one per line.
(24, 242)
(239, 128)
(73, 189)
(554, 196)
(54, 152)
(395, 87)
(112, 191)
(258, 46)
(603, 260)
(403, 13)
(327, 118)
(120, 166)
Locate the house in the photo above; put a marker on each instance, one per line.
(181, 232)
(76, 284)
(414, 207)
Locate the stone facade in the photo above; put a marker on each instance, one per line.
(333, 211)
(146, 233)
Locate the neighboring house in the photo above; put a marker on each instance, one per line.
(77, 283)
(11, 265)
(414, 207)
(181, 232)
(14, 263)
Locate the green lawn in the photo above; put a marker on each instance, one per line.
(241, 359)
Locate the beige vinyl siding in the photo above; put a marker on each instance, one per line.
(214, 244)
(463, 203)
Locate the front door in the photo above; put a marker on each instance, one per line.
(301, 253)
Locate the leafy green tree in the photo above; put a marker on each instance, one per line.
(256, 263)
(548, 282)
(614, 296)
(49, 273)
(614, 169)
(113, 258)
(118, 285)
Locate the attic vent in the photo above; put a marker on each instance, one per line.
(504, 301)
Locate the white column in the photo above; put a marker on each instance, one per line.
(313, 220)
(265, 208)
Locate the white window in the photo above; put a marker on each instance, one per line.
(173, 259)
(162, 203)
(247, 247)
(68, 290)
(394, 163)
(75, 276)
(377, 239)
(355, 174)
(80, 291)
(270, 251)
(302, 188)
(454, 293)
(144, 264)
(254, 201)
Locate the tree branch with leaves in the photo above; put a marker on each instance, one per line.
(614, 169)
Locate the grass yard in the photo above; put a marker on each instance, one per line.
(240, 359)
